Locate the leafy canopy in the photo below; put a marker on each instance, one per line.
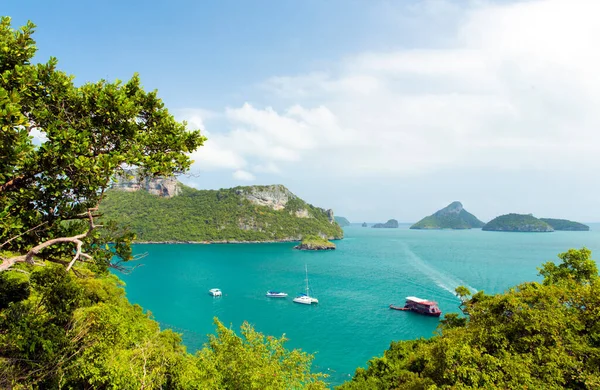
(85, 135)
(62, 331)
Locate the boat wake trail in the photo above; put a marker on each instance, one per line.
(445, 281)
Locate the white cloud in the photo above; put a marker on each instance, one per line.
(39, 136)
(243, 175)
(215, 155)
(515, 86)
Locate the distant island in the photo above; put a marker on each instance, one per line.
(565, 224)
(453, 216)
(315, 243)
(343, 222)
(392, 223)
(517, 223)
(364, 224)
(165, 211)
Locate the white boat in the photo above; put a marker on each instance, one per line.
(215, 292)
(276, 294)
(306, 299)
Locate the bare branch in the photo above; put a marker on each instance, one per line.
(25, 232)
(29, 256)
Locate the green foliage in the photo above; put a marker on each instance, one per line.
(564, 224)
(452, 216)
(209, 215)
(535, 336)
(517, 223)
(81, 332)
(315, 243)
(576, 266)
(343, 222)
(89, 133)
(254, 361)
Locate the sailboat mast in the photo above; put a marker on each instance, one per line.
(306, 268)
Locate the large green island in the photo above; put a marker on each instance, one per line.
(517, 223)
(565, 224)
(165, 210)
(453, 216)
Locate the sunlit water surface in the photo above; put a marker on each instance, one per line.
(355, 284)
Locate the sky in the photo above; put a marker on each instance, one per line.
(376, 109)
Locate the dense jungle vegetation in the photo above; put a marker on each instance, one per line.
(214, 215)
(65, 322)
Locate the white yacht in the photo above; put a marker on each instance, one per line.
(306, 299)
(215, 292)
(276, 294)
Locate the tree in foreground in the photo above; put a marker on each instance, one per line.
(535, 336)
(50, 185)
(64, 319)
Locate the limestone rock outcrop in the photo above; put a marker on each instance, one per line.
(275, 196)
(167, 187)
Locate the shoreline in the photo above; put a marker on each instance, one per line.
(223, 242)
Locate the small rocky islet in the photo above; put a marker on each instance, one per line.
(315, 243)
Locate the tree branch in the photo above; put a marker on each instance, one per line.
(25, 232)
(29, 256)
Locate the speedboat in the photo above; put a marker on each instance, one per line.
(276, 294)
(215, 292)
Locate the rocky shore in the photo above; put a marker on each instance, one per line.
(315, 244)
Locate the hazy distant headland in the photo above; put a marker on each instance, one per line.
(390, 224)
(343, 222)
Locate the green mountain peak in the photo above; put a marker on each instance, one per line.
(453, 216)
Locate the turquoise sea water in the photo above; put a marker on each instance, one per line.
(355, 284)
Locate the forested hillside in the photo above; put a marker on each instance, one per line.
(218, 215)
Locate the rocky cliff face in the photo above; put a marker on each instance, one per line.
(275, 196)
(160, 186)
(330, 216)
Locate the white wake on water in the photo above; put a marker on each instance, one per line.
(445, 281)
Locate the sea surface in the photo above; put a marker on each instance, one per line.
(355, 284)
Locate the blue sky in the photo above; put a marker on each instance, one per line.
(377, 109)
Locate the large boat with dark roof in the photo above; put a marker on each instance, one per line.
(421, 306)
